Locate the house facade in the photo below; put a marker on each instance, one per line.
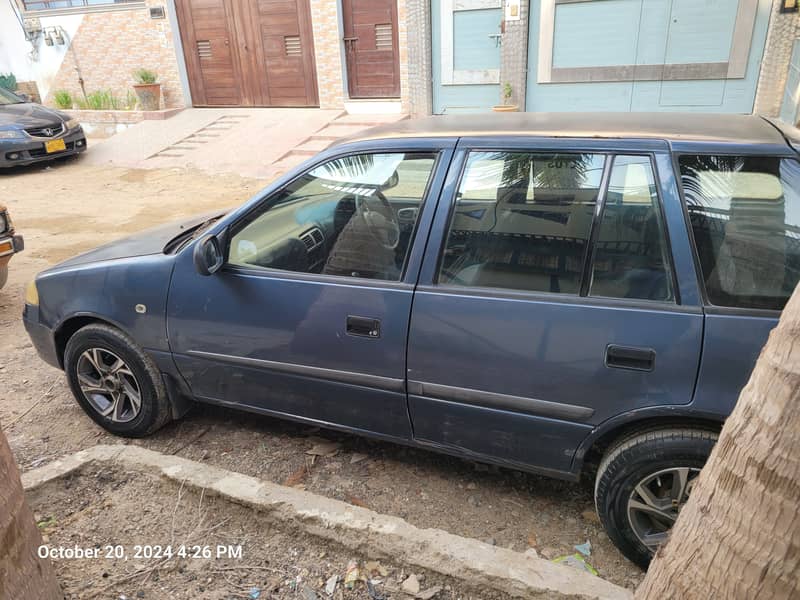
(418, 56)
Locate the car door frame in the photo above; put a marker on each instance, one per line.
(684, 276)
(444, 147)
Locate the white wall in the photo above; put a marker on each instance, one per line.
(15, 52)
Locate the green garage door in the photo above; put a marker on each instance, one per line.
(645, 55)
(465, 54)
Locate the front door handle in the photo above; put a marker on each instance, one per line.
(363, 327)
(629, 357)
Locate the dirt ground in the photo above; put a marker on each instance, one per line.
(70, 207)
(157, 540)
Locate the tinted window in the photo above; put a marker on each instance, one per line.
(352, 216)
(522, 221)
(745, 216)
(631, 259)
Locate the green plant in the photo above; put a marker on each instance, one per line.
(130, 100)
(63, 99)
(8, 81)
(144, 76)
(507, 91)
(100, 100)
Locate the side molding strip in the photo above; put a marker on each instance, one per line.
(531, 406)
(374, 381)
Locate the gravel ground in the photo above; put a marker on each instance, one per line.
(70, 207)
(155, 540)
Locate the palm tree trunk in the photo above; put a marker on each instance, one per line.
(739, 534)
(23, 575)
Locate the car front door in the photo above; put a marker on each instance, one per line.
(552, 302)
(308, 318)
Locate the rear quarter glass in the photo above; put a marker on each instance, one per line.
(744, 213)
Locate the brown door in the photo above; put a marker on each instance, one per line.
(209, 45)
(283, 61)
(248, 52)
(370, 34)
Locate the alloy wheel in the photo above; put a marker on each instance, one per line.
(655, 502)
(109, 385)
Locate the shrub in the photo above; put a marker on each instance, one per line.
(130, 100)
(63, 99)
(144, 76)
(8, 81)
(99, 100)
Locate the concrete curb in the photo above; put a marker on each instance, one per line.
(357, 528)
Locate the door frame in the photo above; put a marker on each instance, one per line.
(346, 11)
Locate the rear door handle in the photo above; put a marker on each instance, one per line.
(629, 357)
(363, 327)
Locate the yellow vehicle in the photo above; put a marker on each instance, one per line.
(10, 243)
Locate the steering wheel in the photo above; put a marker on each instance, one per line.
(382, 221)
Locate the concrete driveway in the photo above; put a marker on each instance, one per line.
(251, 142)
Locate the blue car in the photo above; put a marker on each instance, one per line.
(575, 295)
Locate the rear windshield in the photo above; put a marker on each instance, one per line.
(745, 217)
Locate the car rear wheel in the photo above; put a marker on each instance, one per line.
(115, 382)
(643, 482)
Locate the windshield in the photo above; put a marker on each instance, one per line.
(7, 97)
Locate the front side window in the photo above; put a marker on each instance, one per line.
(522, 221)
(352, 216)
(631, 258)
(745, 218)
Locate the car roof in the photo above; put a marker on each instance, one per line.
(677, 127)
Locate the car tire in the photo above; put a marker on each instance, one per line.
(640, 473)
(3, 275)
(108, 392)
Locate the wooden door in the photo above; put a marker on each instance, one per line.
(209, 46)
(373, 69)
(248, 52)
(283, 57)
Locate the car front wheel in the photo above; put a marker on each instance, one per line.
(115, 382)
(643, 482)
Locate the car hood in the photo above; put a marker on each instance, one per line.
(150, 241)
(28, 114)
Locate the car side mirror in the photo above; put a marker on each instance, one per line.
(24, 97)
(208, 257)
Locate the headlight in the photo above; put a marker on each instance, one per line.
(31, 294)
(10, 134)
(72, 124)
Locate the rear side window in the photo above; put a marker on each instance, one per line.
(631, 259)
(522, 221)
(745, 218)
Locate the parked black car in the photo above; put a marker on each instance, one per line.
(31, 132)
(577, 295)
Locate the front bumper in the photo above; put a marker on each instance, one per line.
(41, 336)
(27, 150)
(10, 245)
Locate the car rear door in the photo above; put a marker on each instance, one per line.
(306, 319)
(557, 291)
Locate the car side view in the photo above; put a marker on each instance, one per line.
(575, 295)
